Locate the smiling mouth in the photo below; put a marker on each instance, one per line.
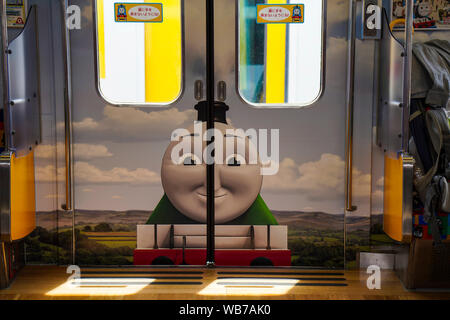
(216, 196)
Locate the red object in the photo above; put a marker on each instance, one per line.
(425, 24)
(222, 257)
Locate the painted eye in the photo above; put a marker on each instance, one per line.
(235, 160)
(189, 159)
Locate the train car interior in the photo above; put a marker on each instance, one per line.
(225, 149)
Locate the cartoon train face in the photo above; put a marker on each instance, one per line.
(296, 14)
(423, 9)
(121, 12)
(237, 182)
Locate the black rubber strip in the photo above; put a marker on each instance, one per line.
(321, 284)
(125, 283)
(274, 278)
(256, 284)
(284, 273)
(140, 272)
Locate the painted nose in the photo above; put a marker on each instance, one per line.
(217, 180)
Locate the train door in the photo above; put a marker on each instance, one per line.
(137, 71)
(289, 98)
(138, 78)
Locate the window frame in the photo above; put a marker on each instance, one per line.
(264, 105)
(98, 89)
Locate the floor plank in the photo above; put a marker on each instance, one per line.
(51, 282)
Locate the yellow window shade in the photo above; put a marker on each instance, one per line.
(275, 60)
(163, 55)
(101, 38)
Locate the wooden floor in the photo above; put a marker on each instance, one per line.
(51, 282)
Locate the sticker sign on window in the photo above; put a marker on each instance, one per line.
(16, 13)
(280, 13)
(138, 12)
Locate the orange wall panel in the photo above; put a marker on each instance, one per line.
(23, 197)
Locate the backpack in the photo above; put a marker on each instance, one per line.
(430, 147)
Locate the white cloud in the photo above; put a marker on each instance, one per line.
(89, 174)
(319, 180)
(49, 174)
(53, 196)
(380, 182)
(124, 124)
(82, 151)
(86, 173)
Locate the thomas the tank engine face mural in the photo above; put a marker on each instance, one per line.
(237, 183)
(237, 179)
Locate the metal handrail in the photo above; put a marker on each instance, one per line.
(407, 69)
(69, 206)
(5, 78)
(350, 105)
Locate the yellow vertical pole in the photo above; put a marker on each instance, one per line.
(163, 55)
(243, 42)
(101, 38)
(275, 60)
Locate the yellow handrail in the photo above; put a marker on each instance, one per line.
(396, 22)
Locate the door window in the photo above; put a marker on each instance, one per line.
(281, 52)
(139, 59)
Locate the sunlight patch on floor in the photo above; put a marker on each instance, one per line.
(101, 287)
(249, 286)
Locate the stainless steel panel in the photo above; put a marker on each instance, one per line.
(24, 88)
(385, 261)
(391, 92)
(5, 196)
(4, 75)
